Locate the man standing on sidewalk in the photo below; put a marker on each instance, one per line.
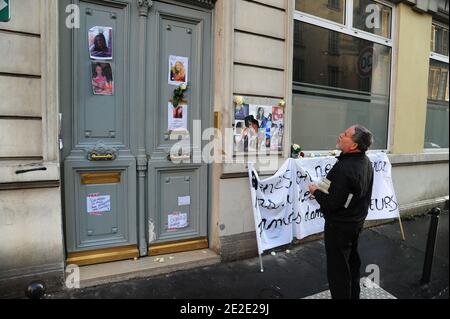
(345, 205)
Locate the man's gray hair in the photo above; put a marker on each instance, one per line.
(363, 137)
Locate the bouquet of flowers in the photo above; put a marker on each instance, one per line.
(296, 151)
(178, 94)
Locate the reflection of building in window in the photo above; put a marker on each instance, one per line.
(362, 17)
(332, 10)
(298, 34)
(299, 70)
(364, 84)
(333, 43)
(334, 4)
(336, 90)
(333, 76)
(436, 132)
(438, 83)
(439, 39)
(385, 22)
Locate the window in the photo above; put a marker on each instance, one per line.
(373, 17)
(333, 76)
(439, 39)
(345, 79)
(333, 43)
(436, 132)
(335, 4)
(299, 70)
(326, 9)
(298, 35)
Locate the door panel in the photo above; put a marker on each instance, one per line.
(96, 131)
(100, 116)
(179, 32)
(186, 33)
(115, 223)
(178, 193)
(101, 225)
(180, 39)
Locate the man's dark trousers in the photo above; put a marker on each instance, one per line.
(343, 261)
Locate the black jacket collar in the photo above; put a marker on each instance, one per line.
(350, 155)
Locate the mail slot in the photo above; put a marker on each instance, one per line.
(100, 178)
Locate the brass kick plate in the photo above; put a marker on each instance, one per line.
(102, 256)
(178, 246)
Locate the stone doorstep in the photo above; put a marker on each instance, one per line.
(101, 274)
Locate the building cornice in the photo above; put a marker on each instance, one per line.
(209, 4)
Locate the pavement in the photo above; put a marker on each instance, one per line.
(299, 272)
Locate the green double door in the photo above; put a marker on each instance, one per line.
(124, 195)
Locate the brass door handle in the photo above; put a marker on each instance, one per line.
(107, 157)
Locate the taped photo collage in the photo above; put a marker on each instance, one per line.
(101, 53)
(258, 128)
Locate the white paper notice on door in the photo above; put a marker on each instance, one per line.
(184, 201)
(177, 117)
(177, 220)
(98, 204)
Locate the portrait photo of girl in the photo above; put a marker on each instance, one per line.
(263, 114)
(178, 70)
(100, 43)
(177, 117)
(102, 79)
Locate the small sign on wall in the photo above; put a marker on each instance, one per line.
(184, 201)
(177, 220)
(5, 10)
(97, 204)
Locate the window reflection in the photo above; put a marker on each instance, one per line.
(344, 80)
(439, 39)
(332, 10)
(373, 17)
(436, 133)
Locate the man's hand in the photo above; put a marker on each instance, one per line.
(312, 188)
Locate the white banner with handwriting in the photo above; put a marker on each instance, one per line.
(283, 208)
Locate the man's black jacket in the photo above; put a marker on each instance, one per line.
(352, 174)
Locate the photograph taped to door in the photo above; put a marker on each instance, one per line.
(177, 220)
(277, 129)
(101, 43)
(241, 112)
(98, 204)
(178, 70)
(177, 117)
(102, 78)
